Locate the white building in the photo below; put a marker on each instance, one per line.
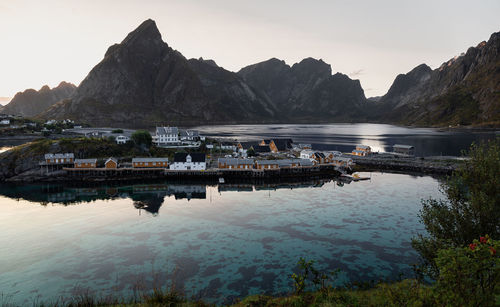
(5, 122)
(307, 154)
(122, 139)
(189, 135)
(51, 122)
(192, 161)
(166, 136)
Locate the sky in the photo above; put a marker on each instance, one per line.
(46, 42)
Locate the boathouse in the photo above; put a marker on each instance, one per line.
(85, 163)
(111, 163)
(404, 149)
(149, 162)
(267, 164)
(54, 159)
(192, 161)
(235, 163)
(319, 157)
(362, 150)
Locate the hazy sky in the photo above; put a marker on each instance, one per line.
(45, 42)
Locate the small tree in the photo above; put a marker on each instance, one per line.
(251, 152)
(117, 131)
(472, 208)
(142, 138)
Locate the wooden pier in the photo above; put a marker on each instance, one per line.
(89, 174)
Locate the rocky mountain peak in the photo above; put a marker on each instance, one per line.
(145, 32)
(311, 66)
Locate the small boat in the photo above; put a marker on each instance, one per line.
(354, 177)
(221, 180)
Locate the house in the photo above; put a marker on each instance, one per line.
(111, 163)
(404, 149)
(262, 149)
(331, 156)
(362, 150)
(189, 135)
(228, 146)
(319, 157)
(51, 122)
(166, 136)
(192, 161)
(149, 162)
(277, 145)
(85, 163)
(5, 122)
(307, 154)
(235, 163)
(59, 159)
(289, 163)
(122, 139)
(94, 134)
(267, 164)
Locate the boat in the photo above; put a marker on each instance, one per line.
(354, 177)
(221, 180)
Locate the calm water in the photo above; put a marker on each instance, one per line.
(343, 137)
(217, 242)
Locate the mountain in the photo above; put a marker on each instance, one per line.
(307, 90)
(32, 102)
(142, 82)
(464, 90)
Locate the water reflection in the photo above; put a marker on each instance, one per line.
(215, 241)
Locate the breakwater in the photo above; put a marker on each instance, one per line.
(427, 165)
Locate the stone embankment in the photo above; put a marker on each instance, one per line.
(389, 162)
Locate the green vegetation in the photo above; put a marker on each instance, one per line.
(471, 210)
(142, 138)
(117, 131)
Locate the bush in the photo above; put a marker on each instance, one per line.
(117, 131)
(472, 207)
(469, 276)
(142, 137)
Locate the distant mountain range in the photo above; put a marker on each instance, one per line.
(32, 102)
(142, 82)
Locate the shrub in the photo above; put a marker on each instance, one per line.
(472, 207)
(469, 276)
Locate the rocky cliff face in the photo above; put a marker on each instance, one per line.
(142, 82)
(307, 90)
(463, 90)
(32, 102)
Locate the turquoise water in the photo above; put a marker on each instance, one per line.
(215, 242)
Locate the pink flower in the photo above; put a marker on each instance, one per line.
(482, 240)
(472, 246)
(492, 251)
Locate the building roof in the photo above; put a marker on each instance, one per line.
(267, 162)
(283, 144)
(149, 160)
(403, 146)
(359, 151)
(248, 145)
(167, 130)
(195, 157)
(111, 159)
(85, 161)
(261, 148)
(188, 133)
(236, 161)
(59, 156)
(363, 146)
(319, 154)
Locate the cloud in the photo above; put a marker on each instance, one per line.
(357, 73)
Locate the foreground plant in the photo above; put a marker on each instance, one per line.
(472, 207)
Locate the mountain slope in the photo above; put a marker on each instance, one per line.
(31, 102)
(464, 90)
(142, 82)
(307, 90)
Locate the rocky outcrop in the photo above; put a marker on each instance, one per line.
(32, 102)
(463, 90)
(307, 90)
(142, 81)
